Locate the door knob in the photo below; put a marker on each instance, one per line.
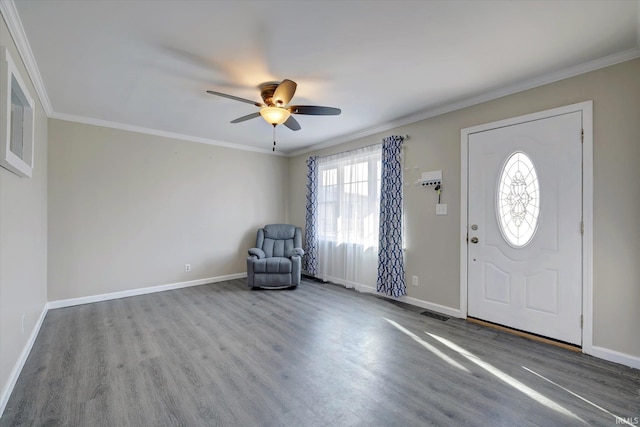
(474, 240)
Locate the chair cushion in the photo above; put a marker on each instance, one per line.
(279, 231)
(272, 265)
(277, 248)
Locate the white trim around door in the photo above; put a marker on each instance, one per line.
(586, 108)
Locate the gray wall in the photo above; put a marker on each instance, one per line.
(129, 210)
(23, 240)
(433, 241)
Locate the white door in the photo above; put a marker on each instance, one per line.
(524, 226)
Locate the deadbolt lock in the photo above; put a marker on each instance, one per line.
(474, 227)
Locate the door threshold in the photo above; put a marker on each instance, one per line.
(527, 335)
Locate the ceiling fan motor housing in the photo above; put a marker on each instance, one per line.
(266, 92)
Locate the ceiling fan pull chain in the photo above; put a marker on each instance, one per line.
(274, 138)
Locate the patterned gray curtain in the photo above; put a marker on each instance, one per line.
(390, 256)
(310, 259)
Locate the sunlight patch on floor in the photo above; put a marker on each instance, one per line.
(428, 346)
(619, 420)
(528, 391)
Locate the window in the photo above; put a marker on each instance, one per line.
(349, 197)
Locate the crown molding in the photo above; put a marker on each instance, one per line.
(156, 132)
(565, 73)
(11, 17)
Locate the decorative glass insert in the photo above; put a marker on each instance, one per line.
(518, 200)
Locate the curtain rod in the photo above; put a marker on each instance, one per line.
(360, 148)
(405, 137)
(371, 145)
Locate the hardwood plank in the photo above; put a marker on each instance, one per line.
(320, 355)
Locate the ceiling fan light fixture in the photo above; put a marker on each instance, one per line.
(274, 115)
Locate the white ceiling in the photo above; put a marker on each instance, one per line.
(146, 65)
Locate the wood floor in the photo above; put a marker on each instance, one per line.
(319, 355)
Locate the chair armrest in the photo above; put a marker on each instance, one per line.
(257, 252)
(296, 252)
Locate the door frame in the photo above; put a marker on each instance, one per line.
(586, 108)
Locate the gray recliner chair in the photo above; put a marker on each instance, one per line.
(276, 261)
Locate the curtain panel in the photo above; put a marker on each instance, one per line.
(390, 278)
(310, 258)
(348, 211)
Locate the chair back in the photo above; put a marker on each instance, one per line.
(279, 240)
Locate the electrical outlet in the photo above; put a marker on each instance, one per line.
(187, 267)
(441, 209)
(414, 280)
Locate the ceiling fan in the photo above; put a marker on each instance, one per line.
(275, 109)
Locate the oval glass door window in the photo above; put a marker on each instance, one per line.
(518, 200)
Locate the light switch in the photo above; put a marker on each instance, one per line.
(441, 209)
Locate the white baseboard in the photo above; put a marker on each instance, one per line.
(615, 356)
(17, 368)
(432, 306)
(141, 291)
(438, 308)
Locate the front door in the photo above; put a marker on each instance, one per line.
(524, 226)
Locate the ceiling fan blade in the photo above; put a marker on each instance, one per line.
(314, 110)
(224, 95)
(292, 123)
(284, 92)
(245, 118)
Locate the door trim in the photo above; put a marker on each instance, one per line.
(587, 206)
